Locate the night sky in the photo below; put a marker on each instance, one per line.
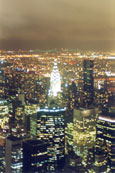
(47, 24)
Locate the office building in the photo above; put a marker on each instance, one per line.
(2, 82)
(50, 122)
(14, 155)
(69, 138)
(50, 127)
(72, 96)
(105, 142)
(35, 156)
(2, 154)
(4, 113)
(30, 119)
(88, 83)
(84, 133)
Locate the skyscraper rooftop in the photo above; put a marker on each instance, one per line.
(55, 81)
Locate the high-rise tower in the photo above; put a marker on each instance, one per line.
(55, 81)
(54, 96)
(84, 119)
(50, 122)
(84, 133)
(88, 87)
(14, 155)
(105, 142)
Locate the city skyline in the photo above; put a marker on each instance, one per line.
(54, 108)
(57, 86)
(81, 24)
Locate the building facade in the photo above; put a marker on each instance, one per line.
(84, 133)
(35, 156)
(14, 155)
(105, 142)
(50, 127)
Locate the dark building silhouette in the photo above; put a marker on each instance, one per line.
(35, 156)
(88, 83)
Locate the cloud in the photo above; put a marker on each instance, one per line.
(62, 22)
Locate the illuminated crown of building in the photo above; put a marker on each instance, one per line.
(55, 81)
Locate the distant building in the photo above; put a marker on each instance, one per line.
(4, 113)
(2, 82)
(21, 98)
(72, 96)
(88, 83)
(102, 99)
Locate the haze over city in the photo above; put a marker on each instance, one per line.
(82, 24)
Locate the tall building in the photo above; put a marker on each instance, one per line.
(30, 113)
(50, 122)
(84, 133)
(4, 113)
(105, 142)
(2, 154)
(55, 81)
(88, 83)
(14, 155)
(73, 96)
(84, 119)
(50, 127)
(69, 137)
(35, 156)
(54, 95)
(2, 82)
(103, 97)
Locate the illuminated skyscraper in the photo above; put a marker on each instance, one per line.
(50, 127)
(55, 81)
(4, 131)
(55, 96)
(4, 113)
(50, 122)
(84, 133)
(84, 119)
(105, 143)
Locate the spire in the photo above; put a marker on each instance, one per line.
(55, 81)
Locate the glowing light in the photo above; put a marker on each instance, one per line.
(108, 73)
(51, 110)
(100, 83)
(3, 101)
(55, 81)
(107, 119)
(111, 57)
